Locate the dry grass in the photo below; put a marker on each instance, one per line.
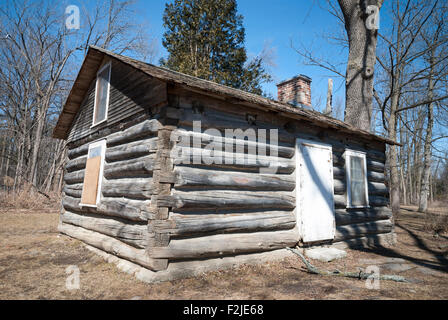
(28, 198)
(436, 223)
(436, 219)
(34, 257)
(439, 204)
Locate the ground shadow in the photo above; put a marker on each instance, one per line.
(440, 265)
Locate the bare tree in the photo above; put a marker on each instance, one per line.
(38, 56)
(402, 85)
(404, 103)
(436, 39)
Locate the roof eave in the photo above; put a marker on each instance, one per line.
(206, 87)
(70, 109)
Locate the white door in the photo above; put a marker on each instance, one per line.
(315, 203)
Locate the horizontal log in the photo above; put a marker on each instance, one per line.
(125, 168)
(140, 130)
(340, 201)
(339, 186)
(370, 154)
(362, 229)
(202, 139)
(372, 165)
(194, 177)
(118, 169)
(301, 124)
(128, 118)
(339, 146)
(114, 246)
(351, 216)
(136, 210)
(226, 244)
(369, 241)
(129, 188)
(338, 159)
(224, 223)
(131, 150)
(374, 188)
(375, 176)
(130, 233)
(76, 164)
(79, 151)
(73, 190)
(74, 177)
(339, 173)
(227, 199)
(378, 201)
(148, 127)
(248, 162)
(224, 121)
(377, 188)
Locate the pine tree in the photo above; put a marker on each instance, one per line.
(205, 38)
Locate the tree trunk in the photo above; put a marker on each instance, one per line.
(392, 159)
(418, 162)
(424, 189)
(362, 39)
(404, 142)
(36, 147)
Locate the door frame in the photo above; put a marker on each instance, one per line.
(311, 143)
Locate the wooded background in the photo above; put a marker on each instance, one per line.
(404, 62)
(39, 59)
(407, 73)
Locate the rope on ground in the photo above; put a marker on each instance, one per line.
(357, 275)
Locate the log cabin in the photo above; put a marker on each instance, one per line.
(168, 175)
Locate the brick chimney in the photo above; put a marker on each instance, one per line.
(296, 91)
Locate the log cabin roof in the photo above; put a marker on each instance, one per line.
(95, 56)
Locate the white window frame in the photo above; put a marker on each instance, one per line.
(362, 155)
(107, 65)
(102, 144)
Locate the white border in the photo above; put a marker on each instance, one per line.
(95, 144)
(107, 65)
(299, 161)
(347, 154)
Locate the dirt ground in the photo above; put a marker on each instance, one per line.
(34, 258)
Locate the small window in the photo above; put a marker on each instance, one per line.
(101, 95)
(91, 188)
(356, 171)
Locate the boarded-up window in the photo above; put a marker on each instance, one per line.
(92, 177)
(101, 95)
(357, 193)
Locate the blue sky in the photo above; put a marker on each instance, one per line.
(277, 23)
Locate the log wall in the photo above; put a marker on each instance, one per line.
(119, 225)
(228, 207)
(160, 205)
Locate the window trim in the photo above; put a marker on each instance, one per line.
(107, 65)
(362, 155)
(92, 145)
